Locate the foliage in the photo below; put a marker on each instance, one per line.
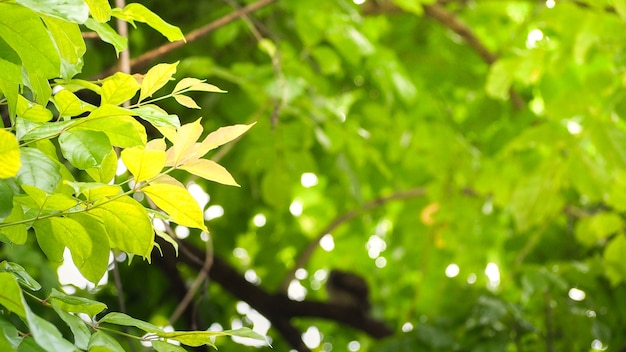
(73, 200)
(465, 157)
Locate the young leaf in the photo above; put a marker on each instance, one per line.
(127, 224)
(194, 84)
(11, 294)
(222, 136)
(119, 88)
(186, 83)
(168, 239)
(156, 78)
(125, 320)
(178, 203)
(142, 163)
(186, 101)
(210, 170)
(184, 142)
(105, 172)
(84, 149)
(137, 12)
(9, 155)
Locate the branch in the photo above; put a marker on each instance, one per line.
(305, 255)
(192, 36)
(277, 308)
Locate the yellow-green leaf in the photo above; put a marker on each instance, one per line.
(222, 136)
(186, 101)
(100, 10)
(210, 170)
(178, 203)
(69, 105)
(127, 224)
(119, 88)
(15, 233)
(32, 111)
(142, 163)
(11, 294)
(186, 83)
(184, 142)
(9, 155)
(205, 87)
(156, 78)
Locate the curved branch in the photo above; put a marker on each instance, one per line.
(306, 253)
(193, 35)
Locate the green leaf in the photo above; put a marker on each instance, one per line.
(22, 277)
(101, 342)
(125, 320)
(15, 233)
(6, 198)
(23, 30)
(94, 268)
(11, 294)
(81, 332)
(31, 111)
(156, 78)
(40, 86)
(119, 88)
(9, 155)
(122, 130)
(69, 10)
(199, 338)
(108, 34)
(75, 304)
(127, 224)
(156, 116)
(105, 172)
(137, 12)
(162, 346)
(177, 203)
(38, 170)
(168, 239)
(614, 257)
(83, 148)
(28, 130)
(500, 78)
(143, 164)
(66, 233)
(9, 336)
(210, 170)
(69, 105)
(100, 10)
(68, 39)
(46, 334)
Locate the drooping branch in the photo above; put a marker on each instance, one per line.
(192, 36)
(306, 253)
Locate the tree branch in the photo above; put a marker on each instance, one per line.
(192, 36)
(306, 253)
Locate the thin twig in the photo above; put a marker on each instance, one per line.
(194, 35)
(304, 256)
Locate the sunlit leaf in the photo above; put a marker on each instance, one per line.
(97, 262)
(157, 116)
(122, 130)
(184, 142)
(220, 137)
(142, 163)
(102, 342)
(9, 155)
(186, 101)
(162, 346)
(108, 34)
(69, 10)
(22, 277)
(119, 88)
(38, 170)
(100, 9)
(178, 203)
(156, 78)
(75, 304)
(80, 331)
(69, 105)
(31, 111)
(210, 170)
(127, 224)
(138, 12)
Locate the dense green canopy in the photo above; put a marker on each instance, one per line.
(467, 159)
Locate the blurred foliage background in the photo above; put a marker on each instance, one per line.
(467, 158)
